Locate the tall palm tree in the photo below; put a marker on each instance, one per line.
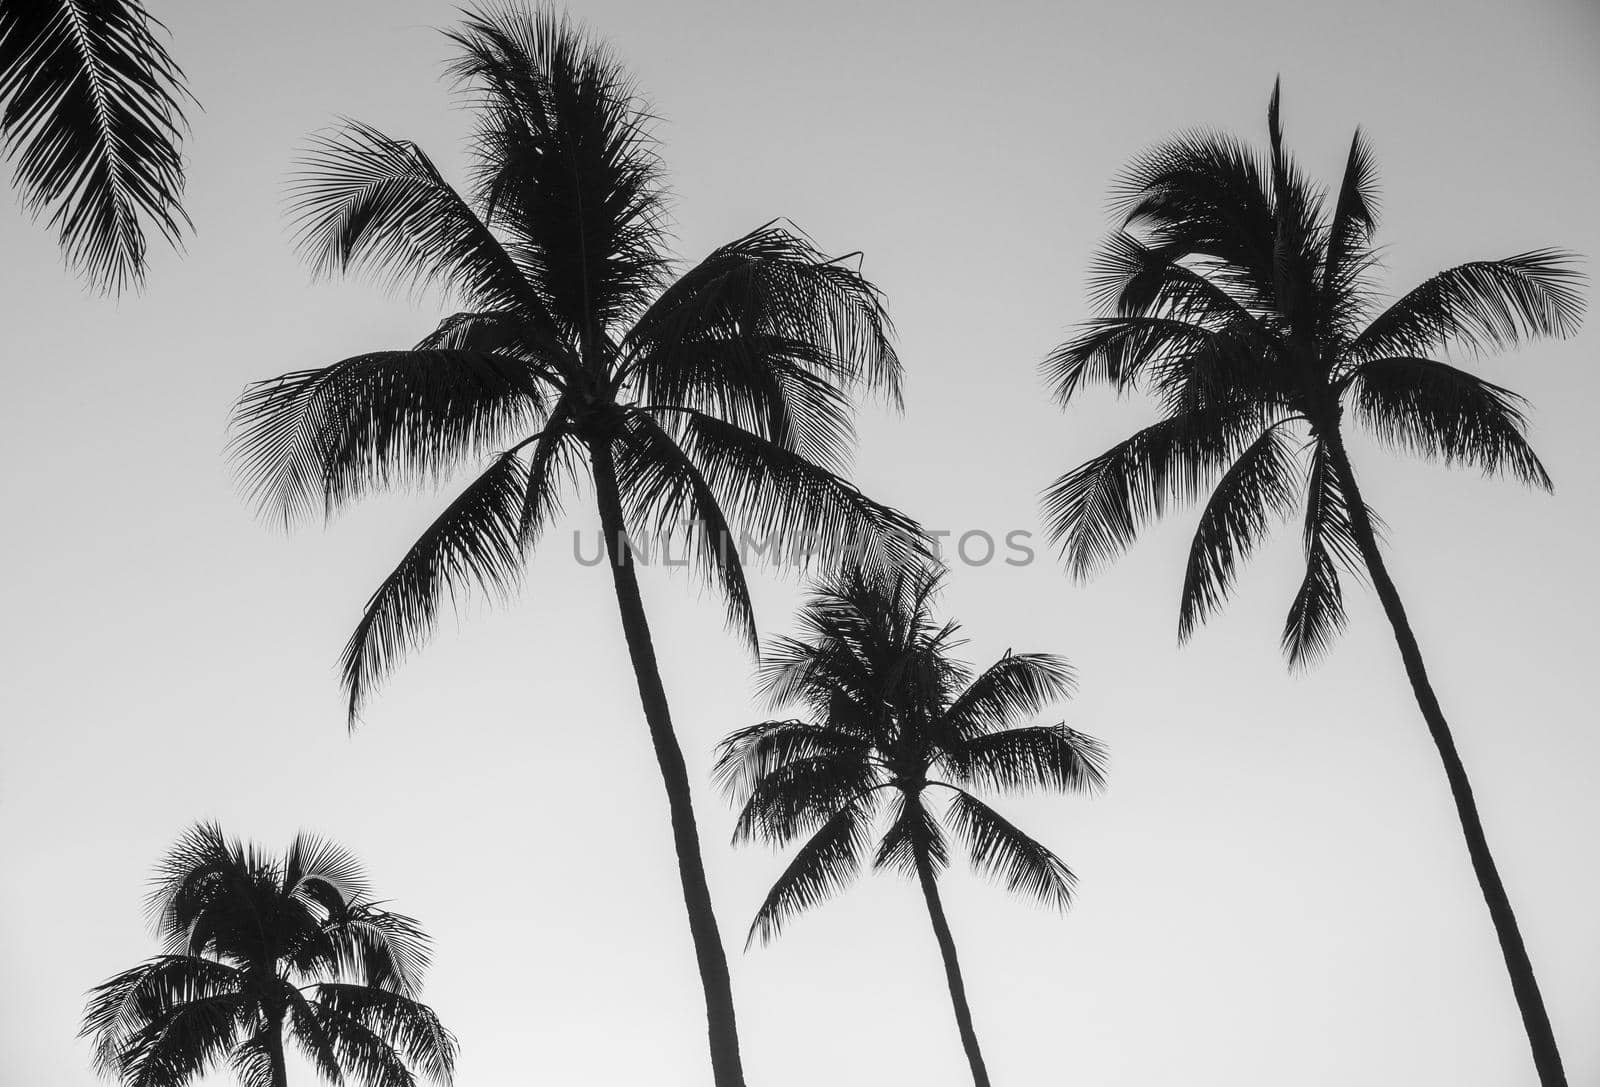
(260, 949)
(92, 121)
(892, 719)
(695, 406)
(1247, 306)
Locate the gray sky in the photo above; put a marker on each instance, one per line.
(1274, 889)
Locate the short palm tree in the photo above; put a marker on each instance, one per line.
(1246, 305)
(260, 950)
(892, 722)
(93, 121)
(696, 406)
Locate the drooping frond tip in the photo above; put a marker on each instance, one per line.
(92, 124)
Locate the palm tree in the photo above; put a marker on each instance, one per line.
(1247, 306)
(259, 949)
(92, 120)
(696, 405)
(891, 718)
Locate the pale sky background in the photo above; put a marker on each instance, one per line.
(1273, 891)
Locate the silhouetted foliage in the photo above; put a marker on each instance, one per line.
(92, 121)
(1246, 306)
(696, 403)
(891, 720)
(258, 949)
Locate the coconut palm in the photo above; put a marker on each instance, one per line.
(260, 950)
(695, 406)
(1248, 307)
(897, 740)
(92, 120)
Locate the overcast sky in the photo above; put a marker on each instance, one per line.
(1273, 891)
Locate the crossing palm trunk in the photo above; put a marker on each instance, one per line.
(709, 953)
(1535, 1020)
(952, 969)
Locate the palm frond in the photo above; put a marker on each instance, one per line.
(367, 202)
(1431, 408)
(1206, 196)
(1016, 686)
(913, 839)
(566, 164)
(1000, 851)
(789, 324)
(1257, 487)
(749, 754)
(803, 512)
(1480, 306)
(1129, 278)
(157, 988)
(378, 948)
(182, 1043)
(324, 871)
(92, 123)
(664, 494)
(374, 1030)
(251, 1063)
(1349, 252)
(804, 793)
(1051, 757)
(310, 442)
(822, 868)
(477, 542)
(1095, 511)
(1317, 614)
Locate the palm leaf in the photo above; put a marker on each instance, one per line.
(92, 123)
(822, 868)
(1001, 851)
(1095, 511)
(313, 441)
(565, 162)
(1236, 516)
(1431, 408)
(477, 542)
(365, 201)
(1317, 614)
(1480, 306)
(1036, 757)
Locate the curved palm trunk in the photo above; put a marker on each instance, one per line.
(1535, 1020)
(713, 962)
(952, 969)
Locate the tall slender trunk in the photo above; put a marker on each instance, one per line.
(952, 968)
(723, 1031)
(1535, 1020)
(278, 1067)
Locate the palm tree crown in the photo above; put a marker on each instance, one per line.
(1246, 305)
(892, 721)
(260, 947)
(696, 405)
(716, 400)
(92, 121)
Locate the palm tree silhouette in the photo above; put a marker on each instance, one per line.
(93, 120)
(891, 714)
(259, 949)
(1250, 312)
(715, 401)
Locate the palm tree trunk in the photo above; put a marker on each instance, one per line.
(276, 1064)
(1535, 1020)
(724, 1036)
(952, 968)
